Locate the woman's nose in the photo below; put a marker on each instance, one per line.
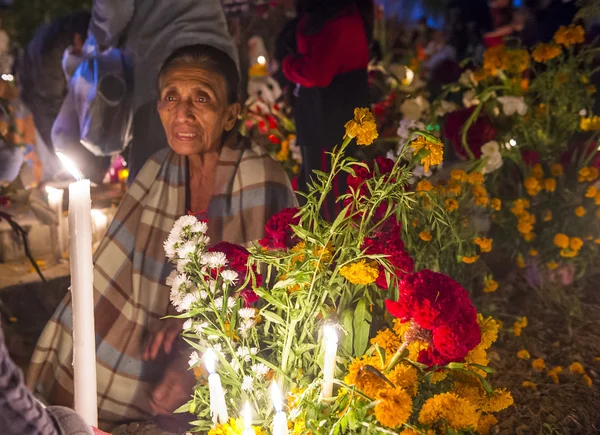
(184, 111)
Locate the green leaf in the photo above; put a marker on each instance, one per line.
(362, 327)
(346, 323)
(269, 315)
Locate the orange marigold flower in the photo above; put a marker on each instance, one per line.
(591, 192)
(547, 216)
(549, 184)
(552, 265)
(580, 211)
(424, 186)
(490, 285)
(577, 368)
(533, 252)
(553, 373)
(538, 364)
(538, 171)
(588, 174)
(495, 204)
(425, 236)
(518, 326)
(545, 52)
(484, 244)
(532, 185)
(470, 260)
(363, 127)
(523, 354)
(459, 175)
(590, 124)
(476, 179)
(587, 380)
(517, 61)
(561, 240)
(529, 384)
(451, 204)
(520, 261)
(575, 243)
(435, 154)
(570, 35)
(556, 169)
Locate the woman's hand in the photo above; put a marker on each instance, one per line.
(164, 338)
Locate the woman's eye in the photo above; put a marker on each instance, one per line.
(170, 98)
(202, 99)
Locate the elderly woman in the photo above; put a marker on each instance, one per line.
(209, 171)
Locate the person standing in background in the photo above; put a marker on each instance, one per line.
(149, 31)
(329, 72)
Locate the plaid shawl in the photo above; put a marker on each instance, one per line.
(130, 271)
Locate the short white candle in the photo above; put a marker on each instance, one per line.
(218, 407)
(55, 201)
(247, 416)
(280, 424)
(331, 344)
(82, 294)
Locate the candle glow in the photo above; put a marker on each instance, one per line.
(261, 60)
(247, 417)
(218, 407)
(330, 339)
(70, 166)
(280, 424)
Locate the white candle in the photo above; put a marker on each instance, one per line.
(331, 345)
(218, 407)
(82, 293)
(247, 416)
(280, 424)
(55, 201)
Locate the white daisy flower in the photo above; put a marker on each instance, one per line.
(260, 370)
(188, 324)
(186, 249)
(247, 313)
(199, 227)
(229, 276)
(199, 328)
(194, 359)
(213, 259)
(247, 383)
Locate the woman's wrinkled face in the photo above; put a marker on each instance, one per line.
(194, 110)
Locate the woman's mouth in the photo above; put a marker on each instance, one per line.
(186, 136)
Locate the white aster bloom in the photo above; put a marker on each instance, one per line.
(229, 276)
(491, 152)
(169, 249)
(184, 222)
(413, 108)
(247, 383)
(202, 240)
(445, 107)
(230, 303)
(467, 78)
(260, 370)
(247, 313)
(188, 324)
(470, 99)
(203, 294)
(181, 282)
(213, 259)
(219, 303)
(176, 298)
(171, 278)
(181, 265)
(186, 249)
(199, 328)
(235, 365)
(583, 112)
(512, 105)
(199, 227)
(244, 353)
(194, 359)
(186, 302)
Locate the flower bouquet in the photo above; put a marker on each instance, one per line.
(293, 334)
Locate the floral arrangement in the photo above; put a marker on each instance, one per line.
(528, 125)
(306, 311)
(272, 126)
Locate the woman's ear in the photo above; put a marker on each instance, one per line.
(231, 116)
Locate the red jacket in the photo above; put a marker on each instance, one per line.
(340, 47)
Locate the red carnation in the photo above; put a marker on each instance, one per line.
(389, 242)
(530, 157)
(278, 232)
(481, 132)
(452, 342)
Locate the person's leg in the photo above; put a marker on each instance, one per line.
(148, 137)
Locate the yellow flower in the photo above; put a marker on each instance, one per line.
(365, 380)
(470, 260)
(393, 408)
(490, 285)
(533, 252)
(580, 211)
(529, 384)
(553, 373)
(557, 170)
(484, 244)
(547, 216)
(517, 61)
(551, 265)
(538, 364)
(588, 174)
(489, 331)
(401, 328)
(569, 35)
(494, 59)
(526, 223)
(575, 243)
(495, 204)
(591, 192)
(361, 272)
(485, 424)
(561, 240)
(523, 354)
(454, 189)
(424, 186)
(436, 151)
(415, 348)
(532, 185)
(545, 52)
(451, 204)
(387, 340)
(425, 236)
(362, 127)
(590, 124)
(459, 175)
(519, 206)
(538, 171)
(405, 376)
(477, 356)
(438, 376)
(499, 400)
(549, 184)
(284, 152)
(520, 261)
(233, 427)
(457, 412)
(518, 326)
(482, 201)
(587, 380)
(568, 253)
(476, 179)
(577, 368)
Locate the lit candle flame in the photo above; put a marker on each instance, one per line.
(330, 335)
(261, 60)
(70, 166)
(408, 77)
(210, 359)
(276, 397)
